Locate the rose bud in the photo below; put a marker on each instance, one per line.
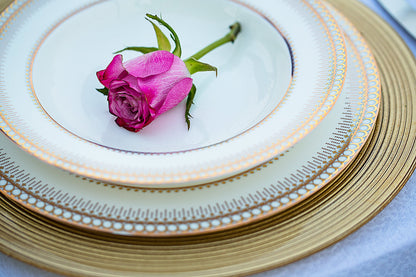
(141, 89)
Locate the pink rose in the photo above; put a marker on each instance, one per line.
(141, 89)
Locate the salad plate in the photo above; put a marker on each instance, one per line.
(250, 196)
(276, 83)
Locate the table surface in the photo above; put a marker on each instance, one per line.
(385, 246)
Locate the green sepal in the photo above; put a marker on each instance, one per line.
(189, 103)
(162, 41)
(143, 50)
(103, 90)
(195, 66)
(178, 50)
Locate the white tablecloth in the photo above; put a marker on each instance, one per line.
(386, 246)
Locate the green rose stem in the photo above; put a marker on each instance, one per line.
(194, 65)
(235, 29)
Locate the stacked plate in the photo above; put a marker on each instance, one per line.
(296, 98)
(294, 105)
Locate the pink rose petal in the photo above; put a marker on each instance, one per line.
(113, 71)
(157, 87)
(176, 95)
(150, 64)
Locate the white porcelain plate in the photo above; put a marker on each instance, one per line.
(263, 191)
(276, 83)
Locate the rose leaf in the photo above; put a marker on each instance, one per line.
(103, 90)
(162, 41)
(195, 66)
(143, 50)
(178, 50)
(189, 103)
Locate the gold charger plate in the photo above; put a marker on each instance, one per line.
(366, 187)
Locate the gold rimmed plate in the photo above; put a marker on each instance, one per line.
(253, 195)
(276, 84)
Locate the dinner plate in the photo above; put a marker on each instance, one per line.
(258, 193)
(276, 83)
